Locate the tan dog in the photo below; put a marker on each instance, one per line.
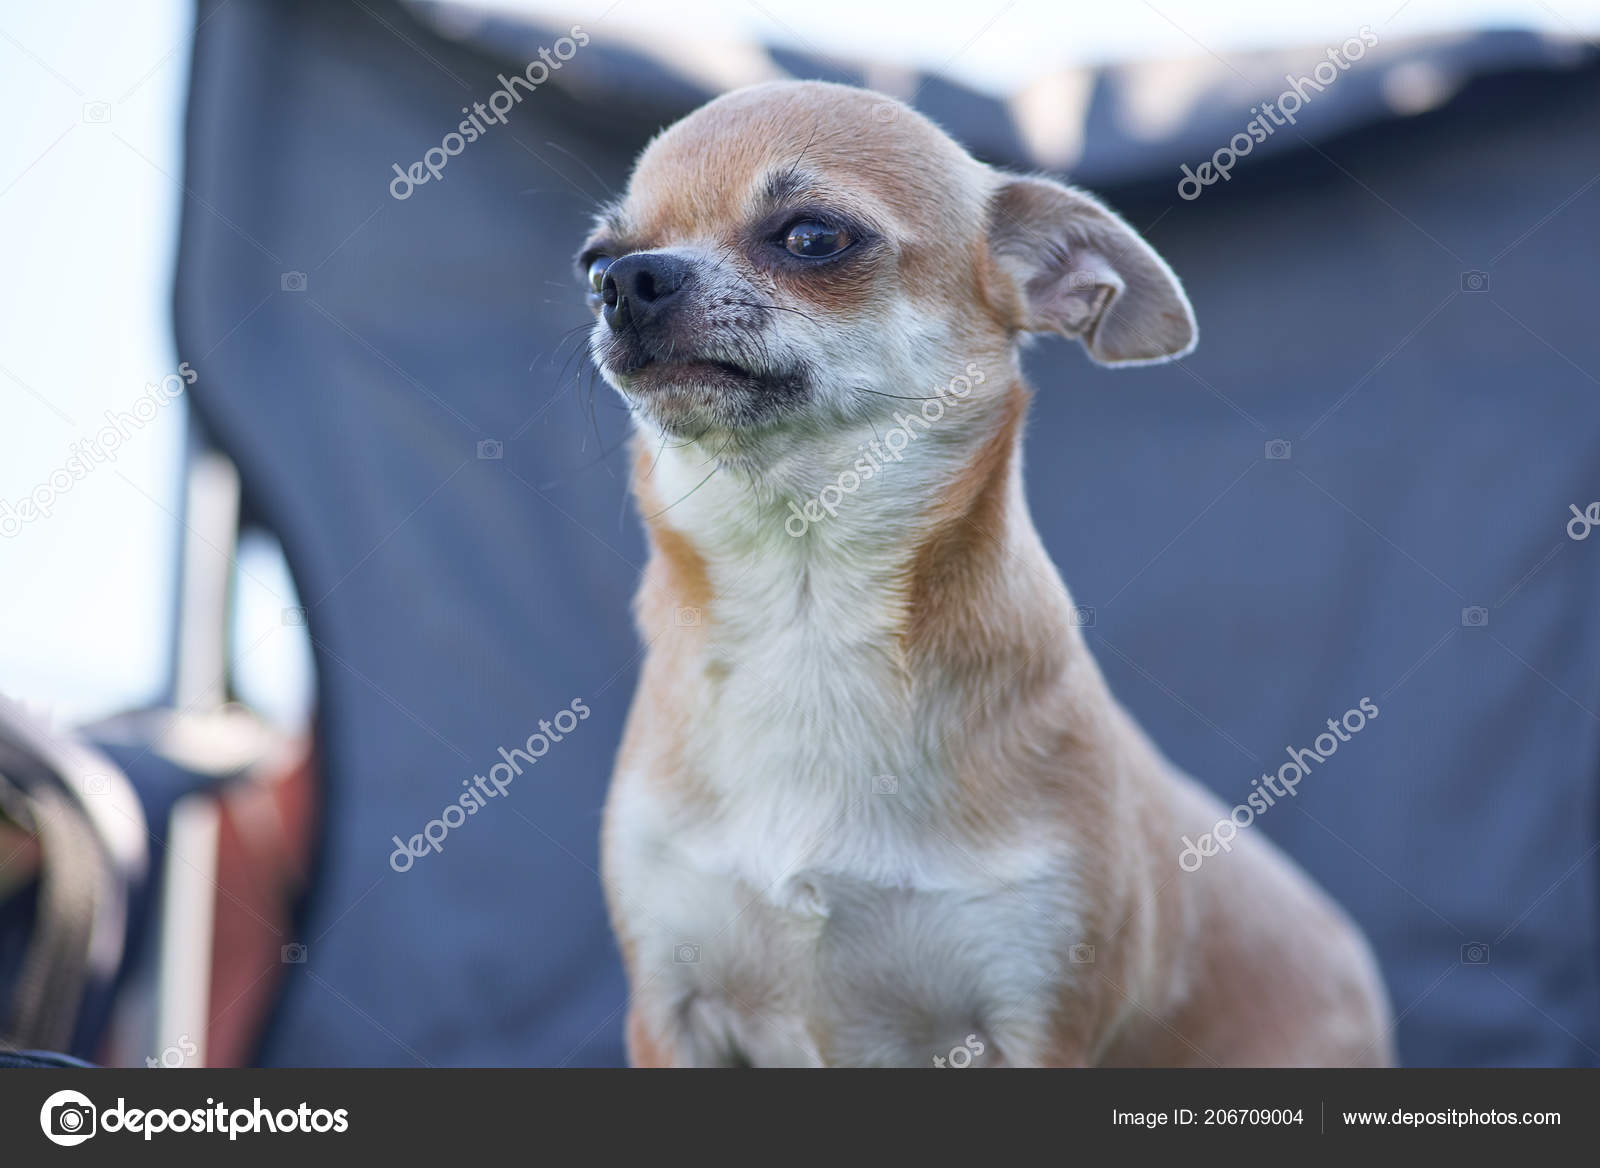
(875, 804)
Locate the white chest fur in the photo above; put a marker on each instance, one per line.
(751, 945)
(828, 910)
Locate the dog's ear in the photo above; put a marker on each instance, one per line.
(1083, 272)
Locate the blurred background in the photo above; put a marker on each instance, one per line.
(310, 507)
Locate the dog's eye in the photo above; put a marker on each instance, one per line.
(814, 240)
(597, 272)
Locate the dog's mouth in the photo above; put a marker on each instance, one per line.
(655, 373)
(695, 390)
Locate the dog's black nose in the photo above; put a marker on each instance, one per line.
(638, 288)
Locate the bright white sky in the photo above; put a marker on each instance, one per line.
(997, 46)
(88, 216)
(89, 222)
(91, 101)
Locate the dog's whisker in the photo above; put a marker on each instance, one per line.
(777, 308)
(898, 396)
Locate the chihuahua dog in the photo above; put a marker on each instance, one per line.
(875, 804)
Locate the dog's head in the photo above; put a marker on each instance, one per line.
(799, 255)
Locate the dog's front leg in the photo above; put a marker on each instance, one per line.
(645, 1049)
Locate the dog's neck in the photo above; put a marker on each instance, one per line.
(919, 636)
(929, 565)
